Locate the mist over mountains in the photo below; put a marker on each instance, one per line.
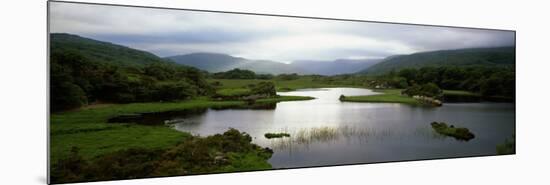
(217, 62)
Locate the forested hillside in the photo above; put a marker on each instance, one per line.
(100, 51)
(85, 71)
(489, 57)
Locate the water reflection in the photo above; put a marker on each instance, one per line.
(325, 131)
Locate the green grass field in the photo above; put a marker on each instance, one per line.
(87, 128)
(233, 91)
(388, 96)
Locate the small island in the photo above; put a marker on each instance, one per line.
(462, 134)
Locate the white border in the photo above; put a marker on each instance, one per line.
(23, 98)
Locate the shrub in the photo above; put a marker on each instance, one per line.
(429, 90)
(264, 88)
(457, 133)
(230, 151)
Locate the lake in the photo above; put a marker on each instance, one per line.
(325, 131)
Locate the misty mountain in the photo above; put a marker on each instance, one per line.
(498, 56)
(211, 62)
(217, 62)
(336, 67)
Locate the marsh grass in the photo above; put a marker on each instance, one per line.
(303, 137)
(508, 147)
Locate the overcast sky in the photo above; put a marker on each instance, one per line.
(174, 32)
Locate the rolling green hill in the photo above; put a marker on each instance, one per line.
(99, 51)
(499, 56)
(84, 71)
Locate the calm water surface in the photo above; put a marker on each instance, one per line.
(325, 131)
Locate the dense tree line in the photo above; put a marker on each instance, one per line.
(488, 81)
(76, 81)
(240, 74)
(292, 76)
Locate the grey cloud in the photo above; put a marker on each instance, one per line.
(171, 32)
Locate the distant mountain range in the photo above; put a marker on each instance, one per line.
(215, 62)
(497, 56)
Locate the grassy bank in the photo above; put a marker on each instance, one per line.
(87, 128)
(388, 96)
(230, 151)
(284, 98)
(395, 96)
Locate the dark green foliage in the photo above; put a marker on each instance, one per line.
(462, 134)
(276, 135)
(487, 81)
(508, 147)
(241, 74)
(235, 74)
(70, 169)
(292, 76)
(79, 77)
(264, 76)
(99, 51)
(429, 90)
(66, 95)
(264, 88)
(487, 57)
(221, 152)
(179, 90)
(231, 141)
(499, 84)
